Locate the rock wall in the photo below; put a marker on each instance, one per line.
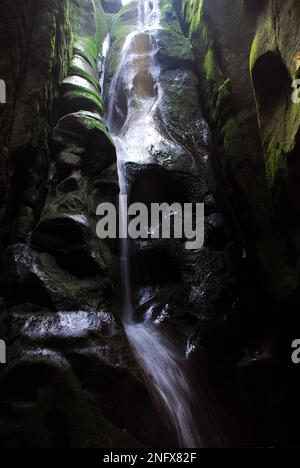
(70, 380)
(246, 63)
(246, 54)
(35, 57)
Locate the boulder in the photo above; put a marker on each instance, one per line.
(85, 47)
(81, 67)
(71, 382)
(77, 83)
(174, 50)
(59, 281)
(80, 100)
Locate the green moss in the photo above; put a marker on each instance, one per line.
(76, 83)
(86, 48)
(80, 100)
(254, 50)
(272, 156)
(89, 20)
(173, 46)
(123, 22)
(121, 25)
(264, 39)
(225, 87)
(208, 65)
(102, 24)
(192, 13)
(80, 67)
(223, 107)
(80, 126)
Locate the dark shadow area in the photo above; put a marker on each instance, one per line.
(271, 80)
(78, 263)
(293, 186)
(255, 7)
(124, 402)
(111, 6)
(55, 234)
(154, 184)
(23, 384)
(154, 268)
(56, 423)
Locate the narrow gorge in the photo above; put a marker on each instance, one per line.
(134, 342)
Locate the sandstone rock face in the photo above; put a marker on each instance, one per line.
(246, 56)
(35, 54)
(69, 349)
(245, 53)
(71, 383)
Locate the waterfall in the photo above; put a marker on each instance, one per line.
(102, 60)
(132, 100)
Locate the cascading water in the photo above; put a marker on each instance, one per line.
(132, 101)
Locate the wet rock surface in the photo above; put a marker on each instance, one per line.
(70, 380)
(71, 383)
(194, 290)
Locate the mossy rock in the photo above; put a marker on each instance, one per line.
(180, 102)
(192, 12)
(173, 48)
(81, 67)
(82, 17)
(208, 65)
(87, 130)
(67, 291)
(86, 48)
(76, 101)
(224, 108)
(76, 83)
(44, 279)
(127, 15)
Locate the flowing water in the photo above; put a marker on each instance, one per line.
(132, 101)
